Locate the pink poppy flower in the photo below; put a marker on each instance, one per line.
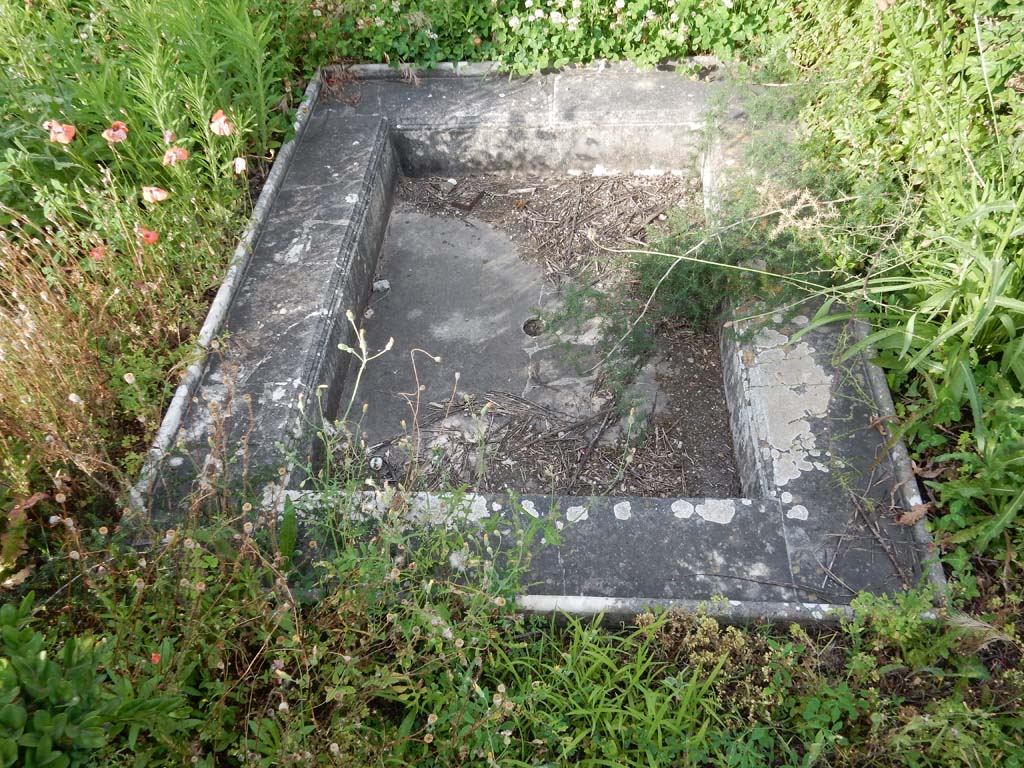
(169, 137)
(62, 133)
(154, 194)
(154, 658)
(116, 133)
(98, 253)
(148, 236)
(175, 155)
(220, 124)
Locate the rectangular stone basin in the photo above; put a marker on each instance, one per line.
(762, 476)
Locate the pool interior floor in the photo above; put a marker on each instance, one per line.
(482, 394)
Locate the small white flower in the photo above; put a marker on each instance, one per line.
(727, 4)
(75, 399)
(129, 378)
(620, 4)
(674, 18)
(514, 22)
(317, 13)
(649, 15)
(538, 14)
(458, 560)
(557, 18)
(239, 164)
(529, 3)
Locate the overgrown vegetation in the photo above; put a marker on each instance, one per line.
(936, 117)
(210, 649)
(401, 646)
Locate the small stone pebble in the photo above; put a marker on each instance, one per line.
(381, 285)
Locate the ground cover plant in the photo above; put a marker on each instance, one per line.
(210, 648)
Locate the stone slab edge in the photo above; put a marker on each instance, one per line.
(470, 508)
(221, 303)
(614, 610)
(907, 483)
(481, 68)
(359, 251)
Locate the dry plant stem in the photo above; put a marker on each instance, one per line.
(413, 398)
(364, 359)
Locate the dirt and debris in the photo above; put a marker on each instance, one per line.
(559, 222)
(675, 444)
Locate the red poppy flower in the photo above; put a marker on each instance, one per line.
(62, 133)
(148, 236)
(116, 133)
(220, 124)
(154, 194)
(154, 658)
(98, 253)
(175, 155)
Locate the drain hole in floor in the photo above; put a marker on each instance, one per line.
(533, 327)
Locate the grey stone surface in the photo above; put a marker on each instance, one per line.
(213, 323)
(593, 121)
(458, 291)
(805, 431)
(662, 549)
(620, 556)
